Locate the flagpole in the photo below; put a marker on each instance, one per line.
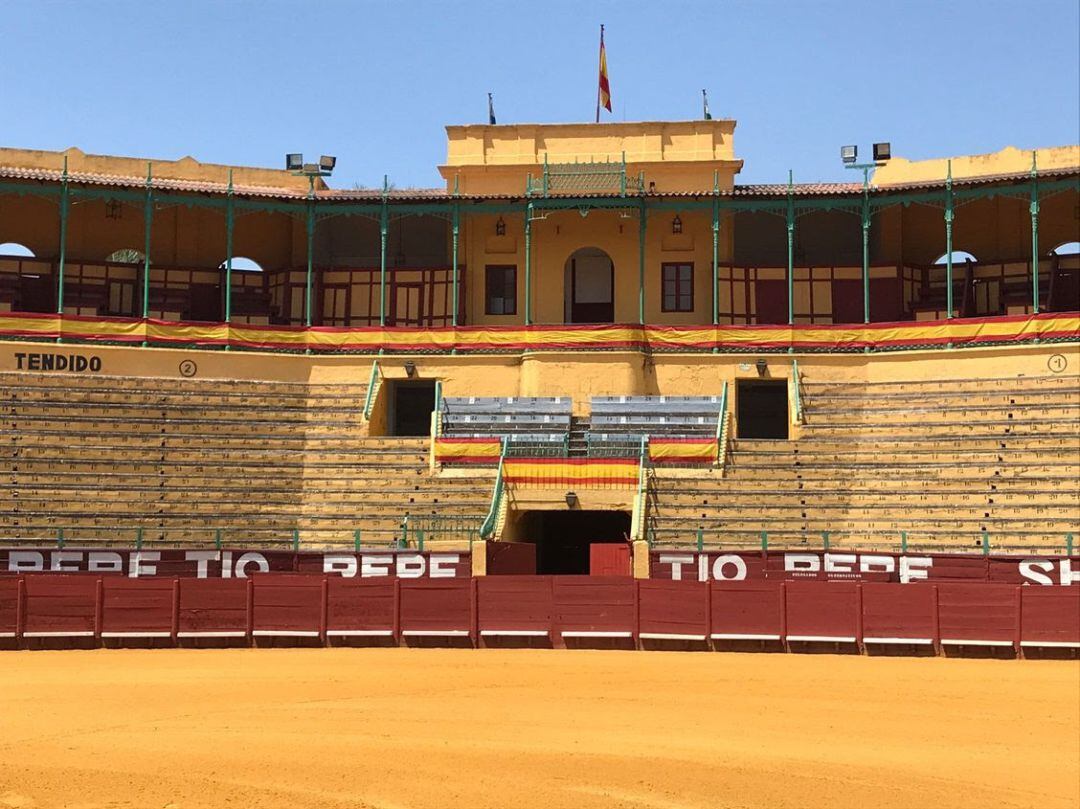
(598, 69)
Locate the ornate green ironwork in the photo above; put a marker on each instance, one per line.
(798, 392)
(584, 178)
(487, 527)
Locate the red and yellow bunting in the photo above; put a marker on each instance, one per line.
(482, 339)
(468, 450)
(584, 473)
(682, 450)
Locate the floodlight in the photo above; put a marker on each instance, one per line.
(310, 168)
(293, 162)
(882, 151)
(849, 154)
(327, 162)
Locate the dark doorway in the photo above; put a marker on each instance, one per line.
(563, 538)
(590, 289)
(762, 408)
(204, 303)
(37, 293)
(411, 406)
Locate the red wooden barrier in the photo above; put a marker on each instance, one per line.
(10, 591)
(747, 610)
(587, 607)
(434, 607)
(1050, 617)
(213, 608)
(515, 606)
(137, 608)
(60, 606)
(898, 614)
(978, 615)
(360, 608)
(609, 559)
(816, 613)
(288, 605)
(673, 610)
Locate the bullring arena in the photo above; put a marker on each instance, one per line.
(591, 479)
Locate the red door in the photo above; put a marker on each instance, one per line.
(609, 559)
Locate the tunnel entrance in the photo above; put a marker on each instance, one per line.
(563, 539)
(762, 408)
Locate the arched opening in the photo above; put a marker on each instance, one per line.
(958, 257)
(126, 255)
(1063, 292)
(243, 264)
(589, 287)
(15, 249)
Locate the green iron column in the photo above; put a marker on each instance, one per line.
(310, 249)
(790, 251)
(641, 265)
(716, 249)
(384, 227)
(229, 216)
(948, 241)
(866, 245)
(63, 240)
(528, 263)
(1034, 235)
(148, 220)
(455, 229)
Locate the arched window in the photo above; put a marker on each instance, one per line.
(958, 257)
(127, 255)
(243, 264)
(16, 249)
(1067, 249)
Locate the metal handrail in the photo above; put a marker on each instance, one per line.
(722, 428)
(798, 393)
(487, 527)
(369, 402)
(641, 498)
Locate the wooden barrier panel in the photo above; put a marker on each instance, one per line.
(1050, 617)
(287, 606)
(898, 614)
(515, 606)
(435, 608)
(137, 608)
(816, 613)
(60, 606)
(587, 607)
(214, 608)
(673, 610)
(978, 615)
(10, 590)
(360, 608)
(747, 610)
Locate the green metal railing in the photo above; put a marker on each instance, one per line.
(641, 499)
(981, 543)
(588, 178)
(538, 449)
(722, 429)
(797, 394)
(487, 527)
(374, 380)
(417, 531)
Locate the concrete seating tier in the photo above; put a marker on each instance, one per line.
(943, 462)
(106, 459)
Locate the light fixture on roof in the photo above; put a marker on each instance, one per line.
(849, 154)
(676, 225)
(882, 152)
(327, 163)
(294, 162)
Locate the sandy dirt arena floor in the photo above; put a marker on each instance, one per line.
(395, 728)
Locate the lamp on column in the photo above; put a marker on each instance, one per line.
(500, 227)
(676, 225)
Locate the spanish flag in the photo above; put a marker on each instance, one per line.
(603, 93)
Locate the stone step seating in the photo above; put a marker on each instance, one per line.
(955, 459)
(183, 459)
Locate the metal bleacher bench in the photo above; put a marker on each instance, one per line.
(542, 422)
(617, 423)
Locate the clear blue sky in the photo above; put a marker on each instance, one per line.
(375, 82)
